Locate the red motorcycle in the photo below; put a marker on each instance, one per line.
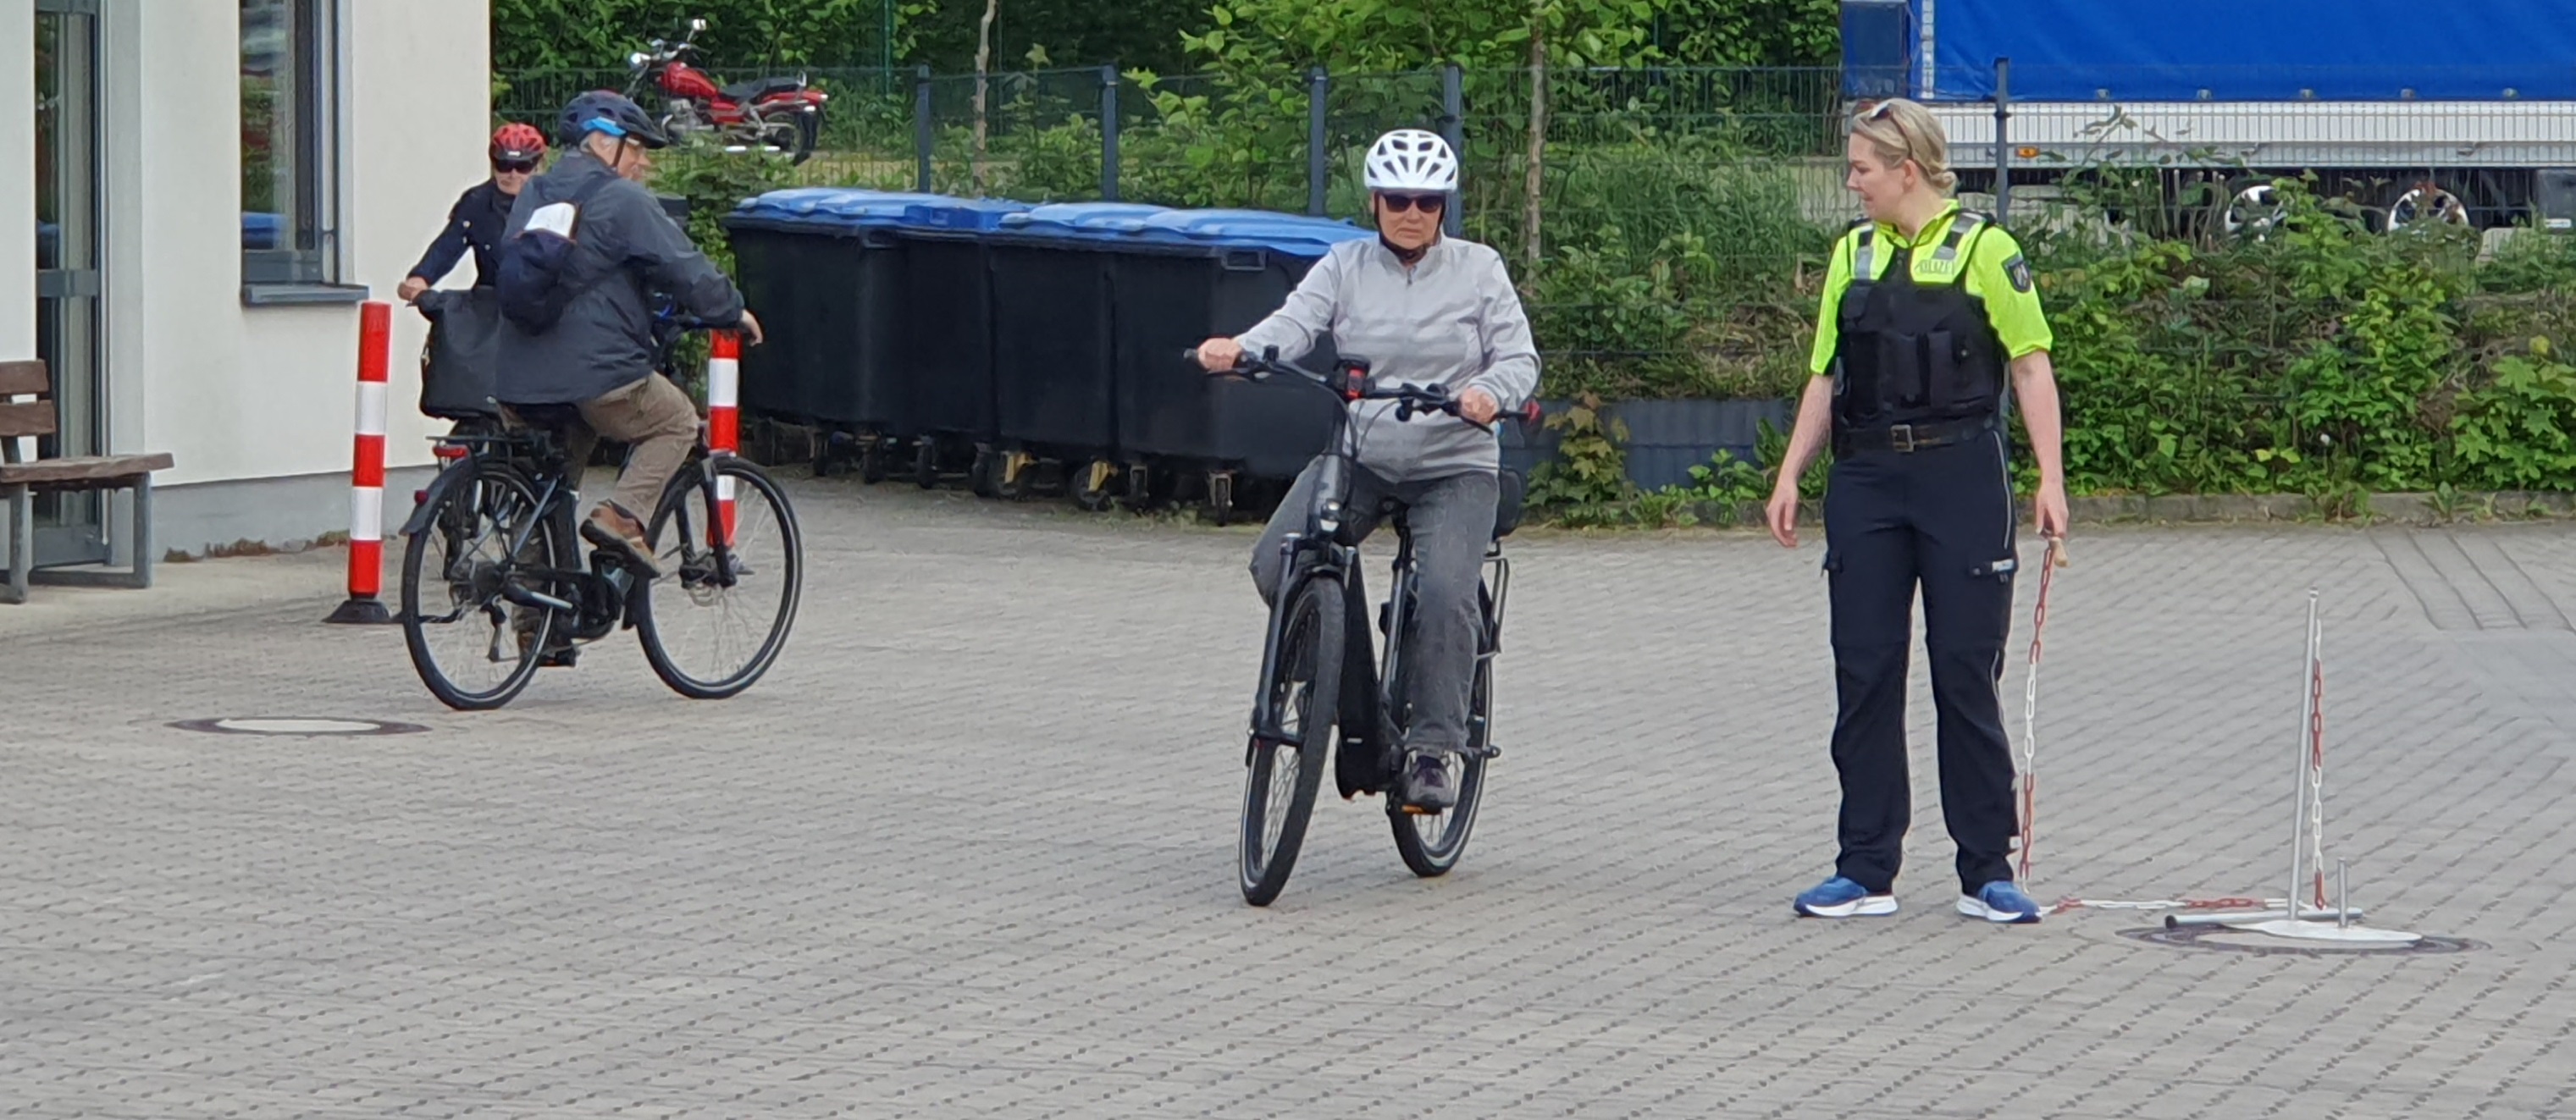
(774, 114)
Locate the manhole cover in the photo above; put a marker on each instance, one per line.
(2228, 940)
(297, 726)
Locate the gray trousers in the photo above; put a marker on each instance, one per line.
(1452, 520)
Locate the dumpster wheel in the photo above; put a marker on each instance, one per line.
(1220, 488)
(986, 475)
(1016, 468)
(1140, 487)
(925, 462)
(1092, 492)
(872, 459)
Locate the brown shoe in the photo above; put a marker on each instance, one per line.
(609, 527)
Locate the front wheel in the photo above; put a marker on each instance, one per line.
(1300, 701)
(733, 567)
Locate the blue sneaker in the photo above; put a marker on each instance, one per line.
(1841, 898)
(2000, 902)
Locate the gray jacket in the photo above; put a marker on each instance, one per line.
(1451, 318)
(624, 247)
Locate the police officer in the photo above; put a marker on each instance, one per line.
(1929, 331)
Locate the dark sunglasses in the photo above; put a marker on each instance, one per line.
(514, 166)
(1427, 203)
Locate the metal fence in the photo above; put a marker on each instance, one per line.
(1684, 213)
(2453, 150)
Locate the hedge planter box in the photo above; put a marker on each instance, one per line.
(1665, 438)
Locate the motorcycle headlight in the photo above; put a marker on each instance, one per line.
(636, 59)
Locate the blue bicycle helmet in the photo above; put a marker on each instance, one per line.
(613, 113)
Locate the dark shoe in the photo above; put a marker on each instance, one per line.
(1426, 784)
(610, 528)
(557, 656)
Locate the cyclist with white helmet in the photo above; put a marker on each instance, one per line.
(1421, 308)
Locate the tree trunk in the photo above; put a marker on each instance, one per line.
(983, 81)
(1533, 175)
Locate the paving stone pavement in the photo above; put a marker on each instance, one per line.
(967, 851)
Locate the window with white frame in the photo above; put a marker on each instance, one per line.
(287, 126)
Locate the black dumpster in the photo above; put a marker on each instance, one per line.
(1192, 275)
(821, 268)
(943, 366)
(1054, 371)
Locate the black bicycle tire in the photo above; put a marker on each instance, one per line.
(1432, 860)
(686, 483)
(1263, 877)
(416, 641)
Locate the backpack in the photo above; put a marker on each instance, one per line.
(533, 284)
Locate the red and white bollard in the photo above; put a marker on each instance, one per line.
(724, 421)
(367, 471)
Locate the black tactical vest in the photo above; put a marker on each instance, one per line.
(1915, 353)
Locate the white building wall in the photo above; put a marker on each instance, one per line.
(255, 402)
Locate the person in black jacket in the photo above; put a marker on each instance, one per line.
(599, 355)
(476, 221)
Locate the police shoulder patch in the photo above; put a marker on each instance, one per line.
(2018, 271)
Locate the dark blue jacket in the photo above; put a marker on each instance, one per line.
(475, 223)
(624, 248)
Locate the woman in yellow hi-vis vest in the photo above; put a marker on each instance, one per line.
(1929, 332)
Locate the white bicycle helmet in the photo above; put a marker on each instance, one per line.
(1409, 159)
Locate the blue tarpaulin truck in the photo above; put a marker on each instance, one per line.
(2462, 113)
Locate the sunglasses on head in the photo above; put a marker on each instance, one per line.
(514, 166)
(1427, 203)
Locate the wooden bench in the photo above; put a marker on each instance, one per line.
(20, 482)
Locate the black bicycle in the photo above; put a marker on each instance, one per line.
(493, 585)
(1319, 671)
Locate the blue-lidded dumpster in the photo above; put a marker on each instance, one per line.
(1196, 274)
(1054, 368)
(944, 362)
(821, 268)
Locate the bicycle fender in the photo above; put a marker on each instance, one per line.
(456, 474)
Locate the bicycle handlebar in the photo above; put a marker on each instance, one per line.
(1410, 399)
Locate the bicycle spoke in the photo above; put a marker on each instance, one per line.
(472, 646)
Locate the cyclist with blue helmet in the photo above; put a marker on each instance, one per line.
(599, 354)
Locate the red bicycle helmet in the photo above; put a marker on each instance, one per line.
(518, 143)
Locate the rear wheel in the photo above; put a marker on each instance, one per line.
(1432, 842)
(1300, 700)
(715, 619)
(474, 648)
(809, 130)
